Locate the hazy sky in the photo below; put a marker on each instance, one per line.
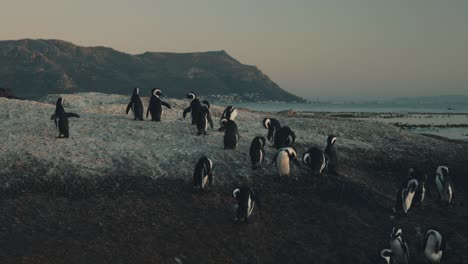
(357, 48)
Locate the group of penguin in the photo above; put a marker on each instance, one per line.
(60, 117)
(318, 160)
(279, 137)
(413, 190)
(155, 105)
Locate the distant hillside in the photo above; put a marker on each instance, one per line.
(34, 68)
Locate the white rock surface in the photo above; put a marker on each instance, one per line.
(105, 141)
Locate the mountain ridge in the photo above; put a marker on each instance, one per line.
(34, 68)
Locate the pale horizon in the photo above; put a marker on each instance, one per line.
(325, 49)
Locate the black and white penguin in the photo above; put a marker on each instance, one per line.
(419, 175)
(257, 153)
(155, 105)
(246, 201)
(282, 159)
(315, 159)
(203, 173)
(194, 107)
(136, 105)
(60, 118)
(405, 195)
(399, 248)
(444, 184)
(230, 113)
(434, 245)
(331, 154)
(273, 127)
(386, 255)
(231, 135)
(204, 117)
(284, 137)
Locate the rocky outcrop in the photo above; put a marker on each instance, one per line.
(5, 92)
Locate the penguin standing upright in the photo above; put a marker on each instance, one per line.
(405, 195)
(230, 113)
(315, 159)
(194, 107)
(257, 153)
(399, 248)
(420, 193)
(273, 127)
(444, 184)
(282, 159)
(284, 137)
(136, 105)
(434, 245)
(204, 117)
(332, 157)
(155, 105)
(231, 135)
(60, 118)
(246, 200)
(203, 173)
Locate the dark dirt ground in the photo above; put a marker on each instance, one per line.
(123, 219)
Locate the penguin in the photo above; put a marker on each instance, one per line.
(398, 247)
(434, 246)
(405, 195)
(194, 107)
(60, 118)
(231, 134)
(203, 173)
(444, 184)
(386, 255)
(155, 105)
(421, 190)
(246, 200)
(332, 157)
(257, 153)
(282, 159)
(136, 105)
(230, 113)
(204, 117)
(315, 159)
(273, 127)
(284, 137)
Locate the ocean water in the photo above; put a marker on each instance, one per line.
(359, 107)
(435, 114)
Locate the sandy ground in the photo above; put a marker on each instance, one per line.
(118, 191)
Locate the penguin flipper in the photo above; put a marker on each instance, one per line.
(73, 115)
(165, 104)
(209, 119)
(53, 117)
(274, 158)
(129, 106)
(186, 110)
(256, 198)
(442, 245)
(405, 249)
